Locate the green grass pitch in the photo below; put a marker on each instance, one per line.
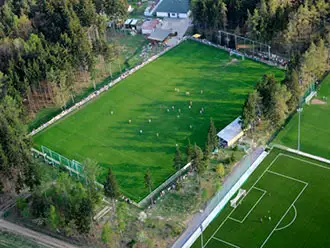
(92, 132)
(315, 122)
(293, 191)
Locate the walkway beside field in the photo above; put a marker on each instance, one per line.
(239, 169)
(39, 238)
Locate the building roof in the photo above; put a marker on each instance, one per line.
(150, 24)
(128, 21)
(174, 6)
(134, 21)
(160, 34)
(231, 131)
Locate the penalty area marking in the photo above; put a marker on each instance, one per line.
(253, 207)
(227, 243)
(294, 218)
(291, 206)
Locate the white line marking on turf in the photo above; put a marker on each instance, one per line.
(278, 155)
(295, 216)
(262, 190)
(233, 219)
(278, 223)
(291, 178)
(306, 161)
(247, 215)
(227, 243)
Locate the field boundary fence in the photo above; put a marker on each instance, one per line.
(245, 167)
(76, 170)
(57, 160)
(275, 60)
(167, 185)
(304, 154)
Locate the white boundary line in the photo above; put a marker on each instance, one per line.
(227, 243)
(295, 216)
(308, 162)
(247, 215)
(253, 186)
(278, 155)
(278, 223)
(287, 177)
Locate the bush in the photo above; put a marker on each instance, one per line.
(220, 170)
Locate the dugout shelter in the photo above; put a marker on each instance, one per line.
(231, 133)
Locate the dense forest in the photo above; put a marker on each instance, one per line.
(298, 29)
(45, 48)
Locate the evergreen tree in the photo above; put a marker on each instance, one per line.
(111, 188)
(189, 151)
(197, 163)
(178, 161)
(148, 182)
(206, 152)
(212, 139)
(251, 109)
(292, 84)
(83, 217)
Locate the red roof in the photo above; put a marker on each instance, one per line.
(150, 24)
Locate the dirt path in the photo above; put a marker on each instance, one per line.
(35, 236)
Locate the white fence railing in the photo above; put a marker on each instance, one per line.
(308, 155)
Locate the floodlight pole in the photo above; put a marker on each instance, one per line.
(299, 110)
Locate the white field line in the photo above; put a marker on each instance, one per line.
(287, 177)
(308, 162)
(253, 186)
(247, 215)
(262, 190)
(295, 216)
(227, 243)
(243, 198)
(278, 223)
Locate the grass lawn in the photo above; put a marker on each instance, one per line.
(286, 206)
(315, 122)
(93, 132)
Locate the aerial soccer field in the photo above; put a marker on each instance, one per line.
(286, 205)
(190, 74)
(315, 123)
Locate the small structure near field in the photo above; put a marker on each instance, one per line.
(149, 26)
(173, 9)
(159, 35)
(231, 133)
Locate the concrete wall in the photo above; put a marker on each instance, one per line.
(183, 15)
(172, 15)
(162, 14)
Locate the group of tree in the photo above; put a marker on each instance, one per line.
(198, 158)
(45, 44)
(211, 15)
(67, 204)
(268, 102)
(17, 168)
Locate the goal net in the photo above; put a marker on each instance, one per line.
(237, 200)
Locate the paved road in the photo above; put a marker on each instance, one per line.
(35, 236)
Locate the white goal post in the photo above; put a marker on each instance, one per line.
(234, 202)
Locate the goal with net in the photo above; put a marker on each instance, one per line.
(238, 198)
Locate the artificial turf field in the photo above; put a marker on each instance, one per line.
(92, 132)
(315, 123)
(293, 191)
